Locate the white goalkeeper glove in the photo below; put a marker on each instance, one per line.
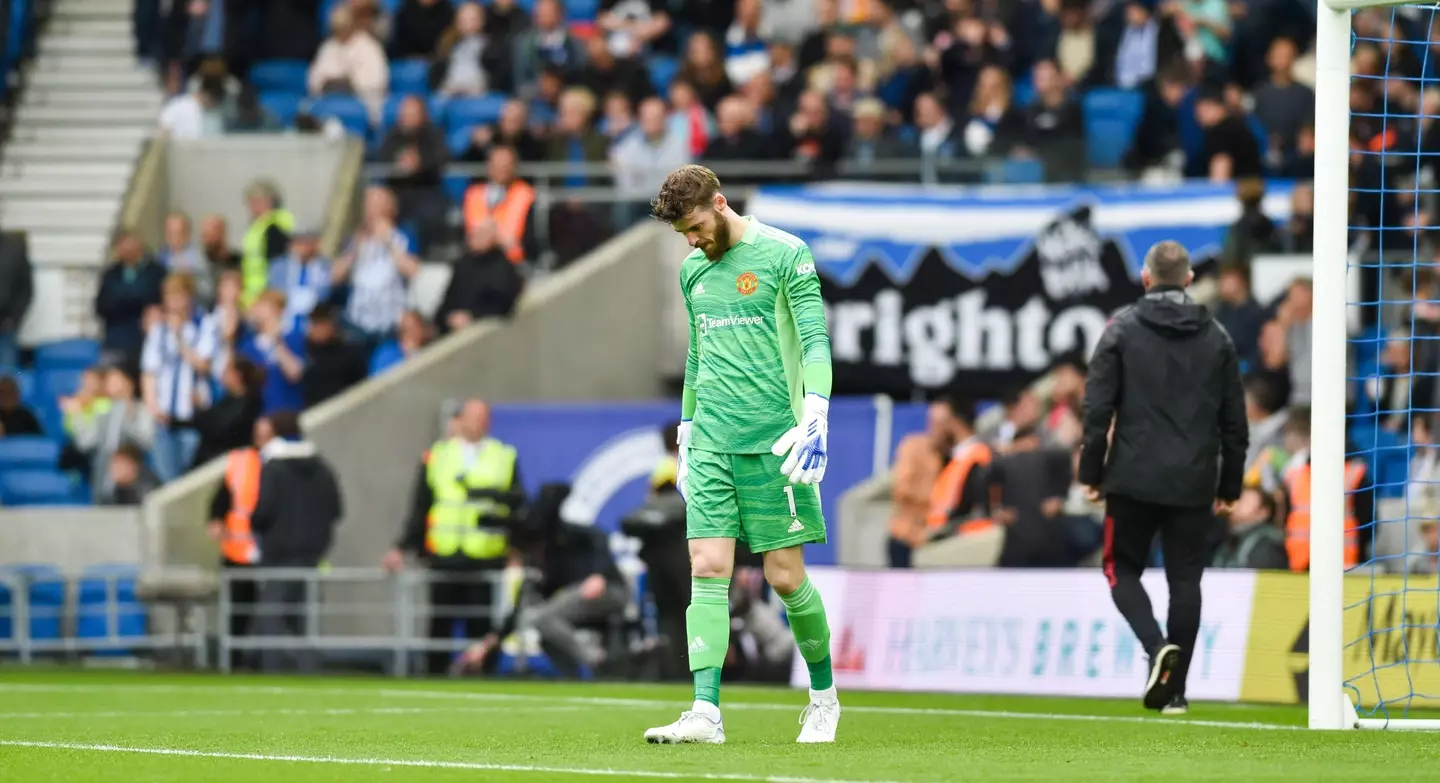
(682, 465)
(807, 444)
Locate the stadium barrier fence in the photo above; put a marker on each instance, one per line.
(102, 613)
(322, 617)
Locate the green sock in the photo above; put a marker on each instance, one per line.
(707, 623)
(812, 632)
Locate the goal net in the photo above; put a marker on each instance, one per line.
(1374, 638)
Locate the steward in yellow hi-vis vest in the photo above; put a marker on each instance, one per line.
(267, 238)
(466, 506)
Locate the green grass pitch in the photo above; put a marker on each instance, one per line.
(103, 727)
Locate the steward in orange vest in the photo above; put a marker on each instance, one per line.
(1359, 505)
(230, 511)
(233, 504)
(505, 200)
(960, 492)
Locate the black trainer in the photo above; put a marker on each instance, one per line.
(1177, 706)
(1162, 668)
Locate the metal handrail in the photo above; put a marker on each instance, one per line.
(770, 170)
(21, 613)
(402, 601)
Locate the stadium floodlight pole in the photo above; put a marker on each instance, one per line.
(1327, 380)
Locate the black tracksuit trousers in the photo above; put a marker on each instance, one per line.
(1186, 536)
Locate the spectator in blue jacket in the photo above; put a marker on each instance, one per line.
(280, 353)
(412, 336)
(303, 275)
(129, 295)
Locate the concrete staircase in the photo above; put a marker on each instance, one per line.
(85, 108)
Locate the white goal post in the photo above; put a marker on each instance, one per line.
(1330, 706)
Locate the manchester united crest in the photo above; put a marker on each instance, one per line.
(747, 283)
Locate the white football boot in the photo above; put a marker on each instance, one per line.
(821, 717)
(699, 724)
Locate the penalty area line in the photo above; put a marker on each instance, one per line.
(421, 763)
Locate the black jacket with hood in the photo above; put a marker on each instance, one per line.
(298, 506)
(1168, 377)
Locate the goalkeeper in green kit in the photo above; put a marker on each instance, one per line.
(752, 437)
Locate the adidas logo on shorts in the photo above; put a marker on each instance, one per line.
(795, 527)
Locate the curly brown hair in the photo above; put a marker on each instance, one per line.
(687, 188)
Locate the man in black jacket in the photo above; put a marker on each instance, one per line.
(483, 283)
(293, 523)
(332, 362)
(1167, 377)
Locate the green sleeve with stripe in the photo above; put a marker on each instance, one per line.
(687, 396)
(692, 359)
(807, 312)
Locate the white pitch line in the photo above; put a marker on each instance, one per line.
(272, 712)
(423, 763)
(651, 703)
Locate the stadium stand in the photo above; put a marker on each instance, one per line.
(894, 51)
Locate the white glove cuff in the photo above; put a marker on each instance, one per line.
(682, 433)
(815, 405)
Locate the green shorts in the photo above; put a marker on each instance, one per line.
(744, 497)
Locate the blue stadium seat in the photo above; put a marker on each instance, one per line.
(455, 186)
(458, 141)
(662, 72)
(26, 452)
(1111, 116)
(1016, 172)
(47, 601)
(50, 386)
(1262, 137)
(280, 76)
(67, 355)
(541, 114)
(40, 488)
(25, 379)
(582, 10)
(93, 619)
(349, 111)
(56, 383)
(283, 106)
(410, 77)
(1022, 91)
(469, 112)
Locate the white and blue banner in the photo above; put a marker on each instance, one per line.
(977, 290)
(607, 451)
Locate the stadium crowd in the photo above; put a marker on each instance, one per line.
(201, 338)
(1196, 88)
(1206, 89)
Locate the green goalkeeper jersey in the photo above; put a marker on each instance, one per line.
(758, 341)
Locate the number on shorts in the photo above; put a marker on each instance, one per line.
(790, 496)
